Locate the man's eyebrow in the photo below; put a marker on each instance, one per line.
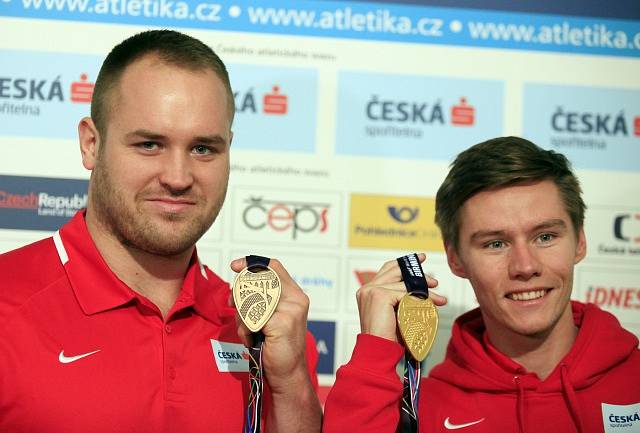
(210, 139)
(145, 133)
(150, 135)
(551, 224)
(555, 223)
(481, 234)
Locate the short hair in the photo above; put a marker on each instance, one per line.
(171, 47)
(498, 163)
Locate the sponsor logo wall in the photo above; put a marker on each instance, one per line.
(286, 216)
(45, 94)
(414, 116)
(614, 233)
(275, 107)
(32, 203)
(325, 335)
(393, 222)
(596, 128)
(347, 117)
(614, 289)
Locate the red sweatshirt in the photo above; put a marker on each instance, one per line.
(80, 352)
(595, 388)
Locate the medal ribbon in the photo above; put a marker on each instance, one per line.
(416, 284)
(253, 416)
(254, 409)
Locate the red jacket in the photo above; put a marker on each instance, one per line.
(80, 352)
(595, 388)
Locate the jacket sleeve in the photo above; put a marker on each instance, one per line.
(311, 354)
(367, 392)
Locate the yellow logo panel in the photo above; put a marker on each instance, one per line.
(393, 222)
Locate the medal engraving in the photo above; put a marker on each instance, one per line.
(256, 295)
(418, 323)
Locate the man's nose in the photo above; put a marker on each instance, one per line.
(176, 171)
(524, 262)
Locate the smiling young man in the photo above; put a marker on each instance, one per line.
(528, 359)
(113, 324)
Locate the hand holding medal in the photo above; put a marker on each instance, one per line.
(256, 292)
(418, 324)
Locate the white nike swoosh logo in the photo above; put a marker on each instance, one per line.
(451, 426)
(67, 359)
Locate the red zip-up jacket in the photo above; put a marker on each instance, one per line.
(477, 389)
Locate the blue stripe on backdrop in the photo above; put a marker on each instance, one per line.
(354, 20)
(622, 9)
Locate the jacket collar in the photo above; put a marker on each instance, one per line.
(98, 289)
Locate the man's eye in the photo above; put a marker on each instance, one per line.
(494, 244)
(201, 150)
(546, 237)
(148, 145)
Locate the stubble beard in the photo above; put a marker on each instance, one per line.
(130, 227)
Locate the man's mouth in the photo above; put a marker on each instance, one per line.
(527, 296)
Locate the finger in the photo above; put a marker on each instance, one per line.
(279, 268)
(238, 264)
(245, 335)
(390, 271)
(437, 299)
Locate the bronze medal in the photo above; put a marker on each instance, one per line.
(256, 295)
(418, 323)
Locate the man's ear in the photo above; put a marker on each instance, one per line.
(89, 142)
(581, 247)
(455, 264)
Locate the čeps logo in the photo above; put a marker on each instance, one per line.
(286, 216)
(30, 203)
(393, 222)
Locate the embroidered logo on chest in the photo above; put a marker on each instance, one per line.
(230, 357)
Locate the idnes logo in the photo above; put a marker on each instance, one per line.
(620, 297)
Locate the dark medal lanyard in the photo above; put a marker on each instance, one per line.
(256, 292)
(414, 312)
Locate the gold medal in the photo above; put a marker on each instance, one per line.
(418, 323)
(256, 295)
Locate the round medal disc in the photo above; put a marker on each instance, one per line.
(256, 295)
